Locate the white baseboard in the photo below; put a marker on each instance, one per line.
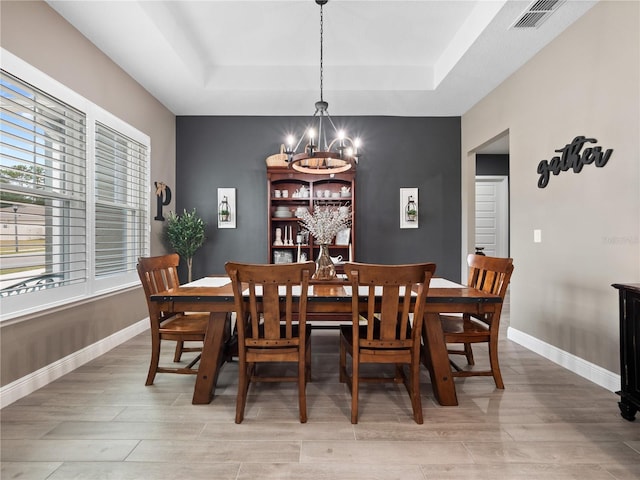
(38, 379)
(588, 370)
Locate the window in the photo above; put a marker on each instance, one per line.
(74, 195)
(120, 195)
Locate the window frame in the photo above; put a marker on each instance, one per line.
(16, 306)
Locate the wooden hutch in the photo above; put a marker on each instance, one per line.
(288, 191)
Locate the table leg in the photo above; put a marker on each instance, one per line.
(210, 361)
(436, 359)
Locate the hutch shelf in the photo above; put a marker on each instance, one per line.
(287, 192)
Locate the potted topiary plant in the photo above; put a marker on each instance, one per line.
(185, 234)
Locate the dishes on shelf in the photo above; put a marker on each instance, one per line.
(283, 212)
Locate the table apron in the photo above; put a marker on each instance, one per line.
(325, 307)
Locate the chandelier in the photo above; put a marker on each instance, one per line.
(317, 155)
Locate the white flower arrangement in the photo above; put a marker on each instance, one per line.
(325, 222)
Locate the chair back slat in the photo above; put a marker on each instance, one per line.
(270, 311)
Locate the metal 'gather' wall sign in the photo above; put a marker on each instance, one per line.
(573, 157)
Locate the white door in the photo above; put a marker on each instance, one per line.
(492, 215)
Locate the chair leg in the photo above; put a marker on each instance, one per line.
(355, 383)
(493, 360)
(243, 387)
(343, 362)
(302, 386)
(178, 355)
(469, 354)
(416, 400)
(308, 359)
(155, 361)
(399, 377)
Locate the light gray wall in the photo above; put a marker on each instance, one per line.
(585, 82)
(38, 35)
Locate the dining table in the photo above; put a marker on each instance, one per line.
(327, 301)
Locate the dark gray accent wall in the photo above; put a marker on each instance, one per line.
(230, 152)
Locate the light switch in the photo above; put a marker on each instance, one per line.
(537, 236)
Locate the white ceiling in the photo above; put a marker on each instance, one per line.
(261, 57)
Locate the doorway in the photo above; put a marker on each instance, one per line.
(492, 215)
(492, 196)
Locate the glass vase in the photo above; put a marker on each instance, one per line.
(325, 270)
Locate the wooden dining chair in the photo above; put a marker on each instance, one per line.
(492, 275)
(391, 298)
(271, 309)
(158, 274)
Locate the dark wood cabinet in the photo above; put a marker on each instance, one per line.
(629, 349)
(306, 190)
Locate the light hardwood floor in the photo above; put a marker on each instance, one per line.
(101, 422)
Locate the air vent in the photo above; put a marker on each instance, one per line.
(537, 13)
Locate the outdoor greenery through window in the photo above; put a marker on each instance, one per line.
(74, 197)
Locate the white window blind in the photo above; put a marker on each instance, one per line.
(43, 195)
(121, 202)
(74, 194)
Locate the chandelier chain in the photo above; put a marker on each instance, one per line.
(321, 52)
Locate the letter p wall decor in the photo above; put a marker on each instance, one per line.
(163, 198)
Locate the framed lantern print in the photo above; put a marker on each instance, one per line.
(408, 208)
